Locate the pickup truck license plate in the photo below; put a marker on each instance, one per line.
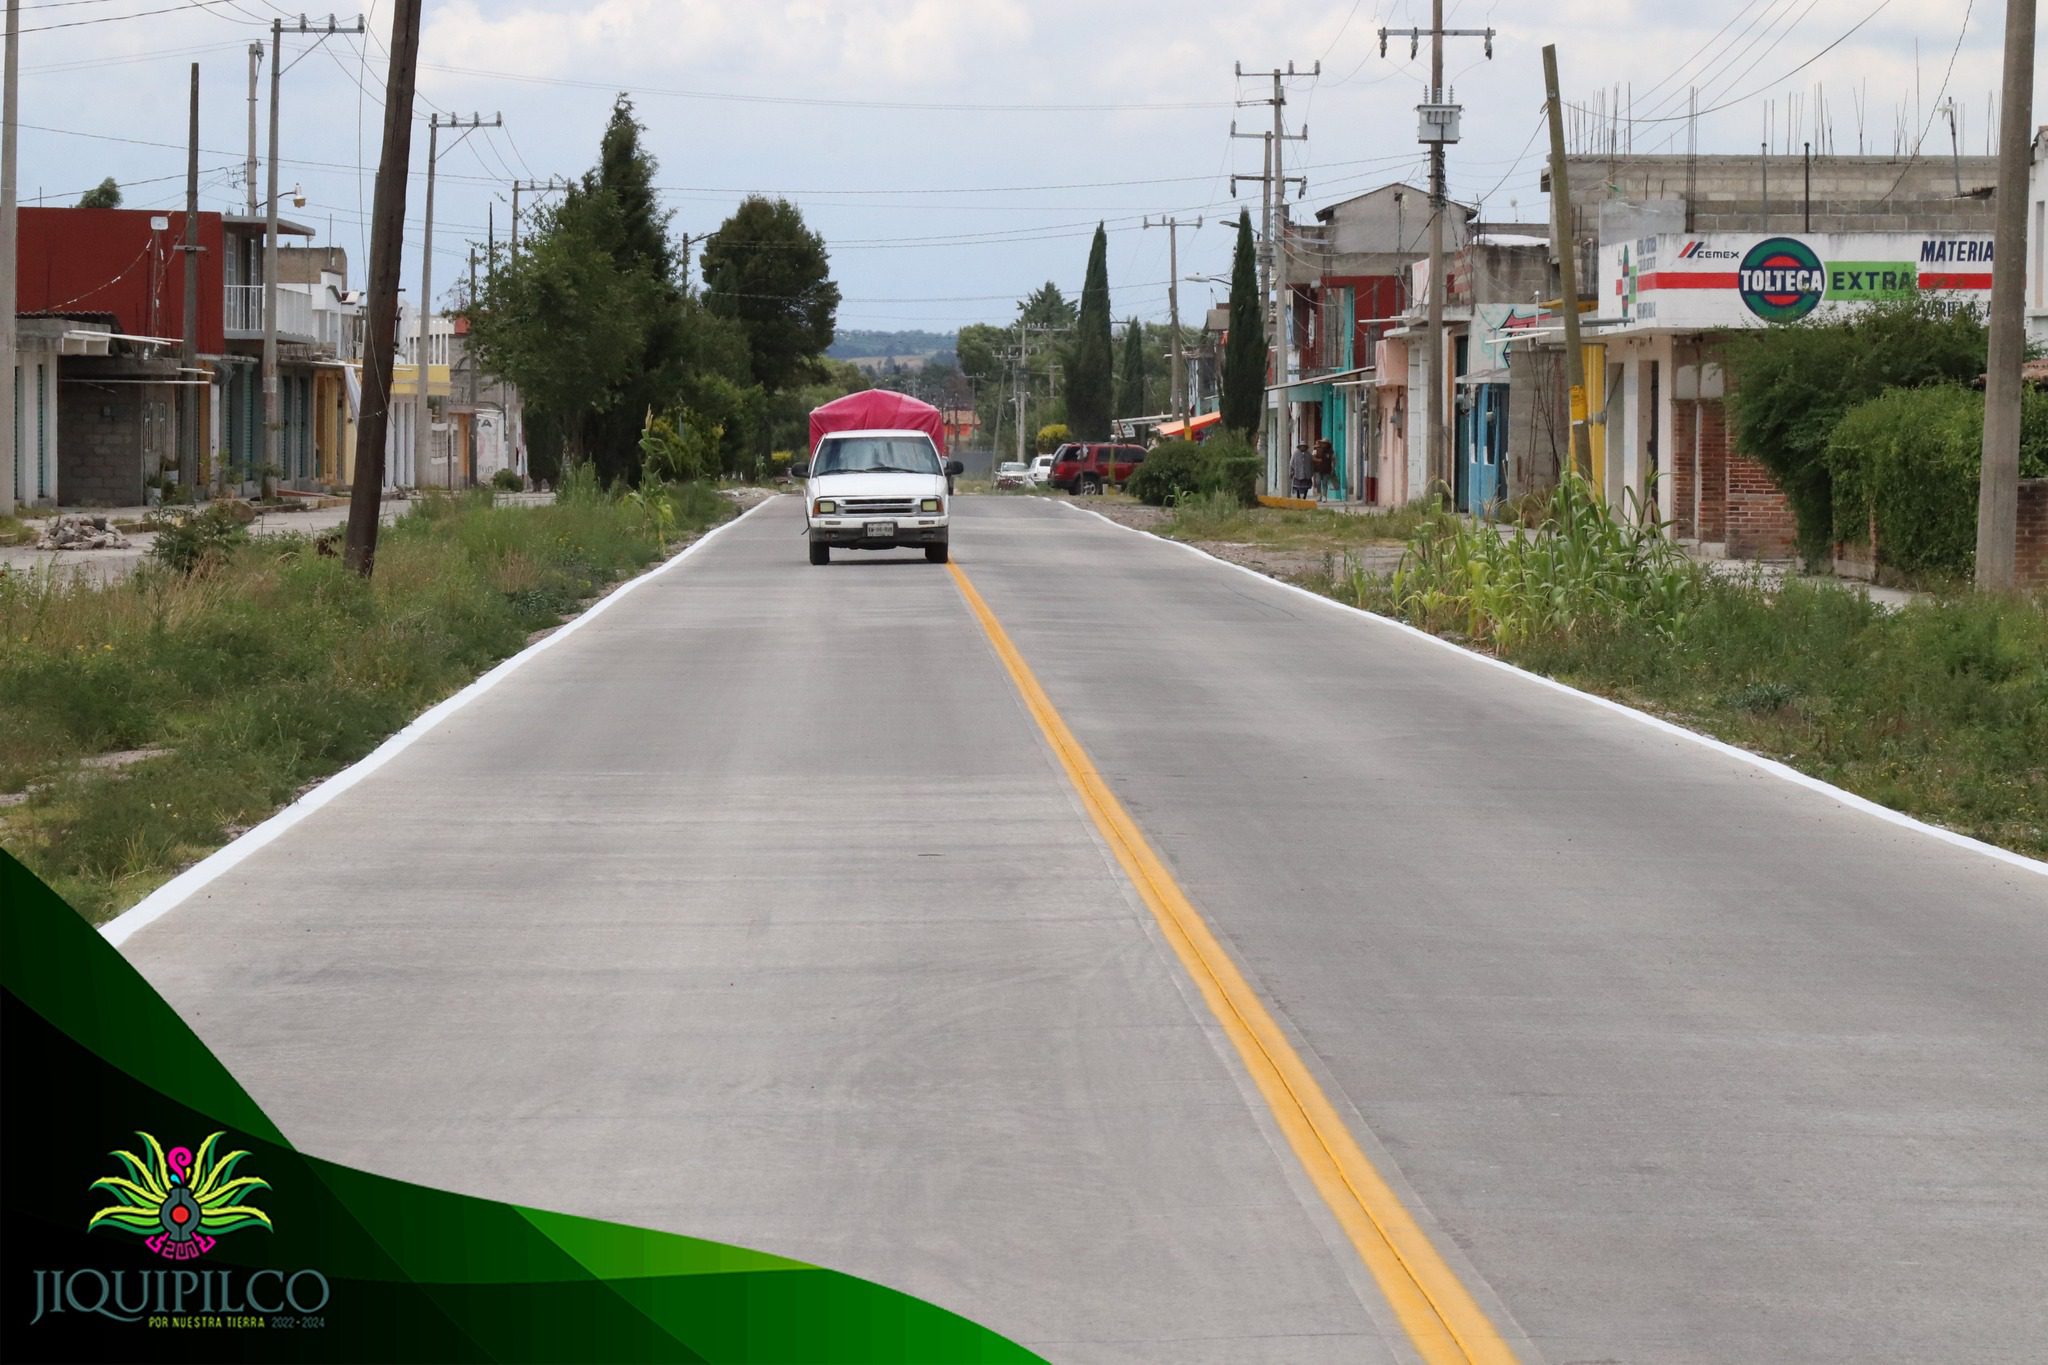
(880, 530)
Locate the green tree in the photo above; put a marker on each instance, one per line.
(1244, 349)
(105, 195)
(1130, 390)
(1046, 306)
(1792, 384)
(767, 271)
(1091, 378)
(566, 326)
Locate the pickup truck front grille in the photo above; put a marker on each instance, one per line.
(886, 507)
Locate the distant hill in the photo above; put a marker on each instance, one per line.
(904, 346)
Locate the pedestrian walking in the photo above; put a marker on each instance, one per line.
(1324, 468)
(1301, 470)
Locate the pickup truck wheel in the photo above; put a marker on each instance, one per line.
(821, 553)
(937, 553)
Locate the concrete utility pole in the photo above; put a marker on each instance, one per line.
(1173, 227)
(273, 417)
(10, 471)
(1272, 262)
(249, 167)
(1438, 128)
(188, 353)
(547, 186)
(1998, 486)
(1565, 245)
(422, 426)
(387, 254)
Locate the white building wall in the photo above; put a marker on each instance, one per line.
(34, 476)
(2037, 243)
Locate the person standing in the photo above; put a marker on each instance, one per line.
(1324, 468)
(1301, 469)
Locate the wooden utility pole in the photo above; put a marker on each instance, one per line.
(1180, 387)
(188, 353)
(423, 424)
(10, 456)
(387, 247)
(1998, 486)
(1564, 243)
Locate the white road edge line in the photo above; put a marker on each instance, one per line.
(180, 888)
(1769, 765)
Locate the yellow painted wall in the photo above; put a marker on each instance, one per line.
(1594, 356)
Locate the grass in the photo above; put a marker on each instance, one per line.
(1938, 709)
(267, 668)
(1219, 517)
(14, 531)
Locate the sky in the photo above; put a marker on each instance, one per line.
(957, 153)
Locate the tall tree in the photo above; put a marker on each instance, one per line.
(1130, 389)
(105, 195)
(1046, 306)
(1244, 348)
(1092, 377)
(767, 271)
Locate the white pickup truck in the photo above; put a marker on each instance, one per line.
(877, 490)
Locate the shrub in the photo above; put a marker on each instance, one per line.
(1907, 461)
(186, 540)
(1171, 471)
(1237, 465)
(508, 481)
(1051, 437)
(1790, 385)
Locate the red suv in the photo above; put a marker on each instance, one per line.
(1090, 466)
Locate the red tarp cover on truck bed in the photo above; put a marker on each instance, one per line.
(878, 410)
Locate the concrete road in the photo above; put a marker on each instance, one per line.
(760, 910)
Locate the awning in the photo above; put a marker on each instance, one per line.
(1497, 375)
(1333, 377)
(1202, 423)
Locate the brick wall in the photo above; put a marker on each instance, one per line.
(99, 445)
(2032, 560)
(1760, 521)
(1682, 411)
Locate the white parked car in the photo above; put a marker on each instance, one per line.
(877, 490)
(1010, 474)
(1039, 472)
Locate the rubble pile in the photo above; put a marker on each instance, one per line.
(80, 533)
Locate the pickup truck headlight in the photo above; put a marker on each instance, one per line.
(824, 507)
(931, 505)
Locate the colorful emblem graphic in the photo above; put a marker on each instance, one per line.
(1781, 280)
(178, 1204)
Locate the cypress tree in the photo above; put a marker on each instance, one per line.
(1130, 399)
(1093, 375)
(1244, 350)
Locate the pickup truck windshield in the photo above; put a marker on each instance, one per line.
(866, 454)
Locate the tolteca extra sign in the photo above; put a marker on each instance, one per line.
(1695, 280)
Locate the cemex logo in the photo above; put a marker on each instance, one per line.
(1781, 280)
(1697, 250)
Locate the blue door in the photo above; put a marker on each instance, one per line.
(1482, 439)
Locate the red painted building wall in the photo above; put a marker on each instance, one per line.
(112, 261)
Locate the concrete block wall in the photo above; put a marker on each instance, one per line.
(99, 448)
(1848, 194)
(2032, 559)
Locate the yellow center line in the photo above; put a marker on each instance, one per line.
(1439, 1314)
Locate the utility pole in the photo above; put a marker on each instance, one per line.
(249, 167)
(469, 366)
(273, 418)
(10, 101)
(1180, 387)
(547, 186)
(387, 248)
(1565, 244)
(1272, 264)
(422, 427)
(1437, 128)
(1998, 486)
(188, 430)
